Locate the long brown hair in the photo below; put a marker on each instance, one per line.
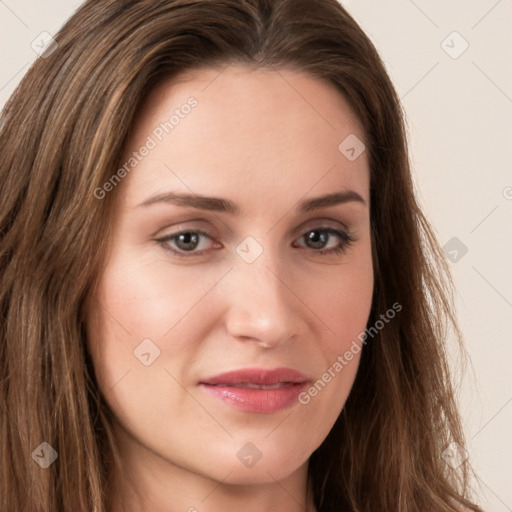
(61, 136)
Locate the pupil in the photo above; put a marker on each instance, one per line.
(187, 237)
(313, 238)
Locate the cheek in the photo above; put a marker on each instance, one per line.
(344, 301)
(343, 304)
(131, 305)
(136, 331)
(145, 300)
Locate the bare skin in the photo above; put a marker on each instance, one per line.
(266, 140)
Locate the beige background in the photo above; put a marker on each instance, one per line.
(459, 112)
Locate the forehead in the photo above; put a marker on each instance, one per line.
(251, 130)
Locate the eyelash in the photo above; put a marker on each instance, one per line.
(346, 238)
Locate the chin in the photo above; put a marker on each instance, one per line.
(252, 466)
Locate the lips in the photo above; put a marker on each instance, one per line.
(257, 390)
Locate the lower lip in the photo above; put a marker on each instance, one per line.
(264, 401)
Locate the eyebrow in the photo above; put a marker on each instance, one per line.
(218, 204)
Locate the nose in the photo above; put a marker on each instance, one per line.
(263, 307)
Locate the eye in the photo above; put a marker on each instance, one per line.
(187, 241)
(316, 239)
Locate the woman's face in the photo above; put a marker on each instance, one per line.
(260, 280)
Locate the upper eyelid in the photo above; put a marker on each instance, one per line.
(305, 226)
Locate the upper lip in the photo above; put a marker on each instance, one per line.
(258, 376)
